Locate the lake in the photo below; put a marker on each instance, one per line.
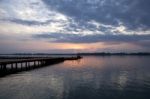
(92, 77)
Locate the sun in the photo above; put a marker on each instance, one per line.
(73, 46)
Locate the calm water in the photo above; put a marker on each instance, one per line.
(115, 77)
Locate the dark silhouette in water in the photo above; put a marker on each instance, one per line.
(18, 65)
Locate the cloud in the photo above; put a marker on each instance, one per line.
(134, 14)
(75, 38)
(110, 22)
(31, 22)
(32, 12)
(78, 16)
(100, 42)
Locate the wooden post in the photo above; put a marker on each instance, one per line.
(38, 63)
(41, 62)
(26, 65)
(4, 67)
(0, 66)
(16, 66)
(21, 65)
(34, 64)
(11, 66)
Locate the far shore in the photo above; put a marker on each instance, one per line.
(33, 55)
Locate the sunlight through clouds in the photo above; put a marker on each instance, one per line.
(81, 22)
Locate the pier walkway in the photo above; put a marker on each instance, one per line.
(17, 65)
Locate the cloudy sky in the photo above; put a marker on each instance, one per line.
(70, 26)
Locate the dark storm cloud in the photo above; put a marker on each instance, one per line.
(134, 14)
(143, 40)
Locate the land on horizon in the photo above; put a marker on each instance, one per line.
(86, 53)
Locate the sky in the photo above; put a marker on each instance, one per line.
(72, 26)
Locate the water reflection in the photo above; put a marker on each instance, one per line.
(84, 63)
(89, 78)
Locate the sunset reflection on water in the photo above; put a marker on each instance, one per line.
(84, 63)
(92, 77)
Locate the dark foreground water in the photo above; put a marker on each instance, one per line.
(115, 77)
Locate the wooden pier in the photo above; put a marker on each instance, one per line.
(18, 65)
